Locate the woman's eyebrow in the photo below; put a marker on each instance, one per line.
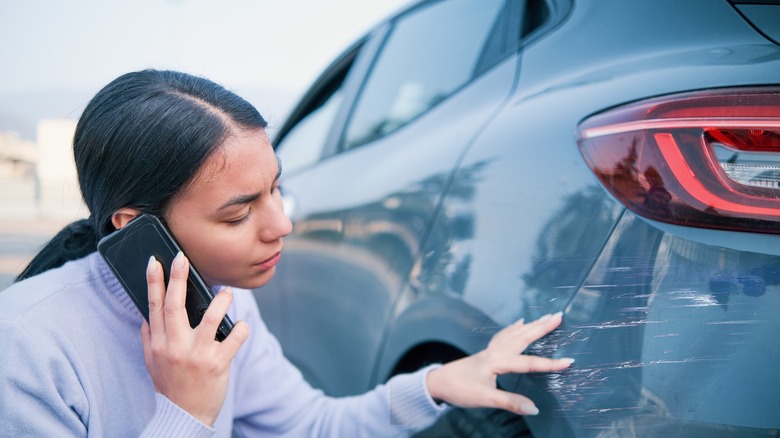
(239, 199)
(246, 199)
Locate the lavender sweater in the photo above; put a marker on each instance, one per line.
(71, 364)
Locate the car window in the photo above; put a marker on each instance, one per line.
(302, 139)
(429, 54)
(303, 143)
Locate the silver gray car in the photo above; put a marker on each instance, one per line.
(471, 162)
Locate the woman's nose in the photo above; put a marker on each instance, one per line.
(276, 224)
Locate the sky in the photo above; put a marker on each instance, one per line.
(269, 50)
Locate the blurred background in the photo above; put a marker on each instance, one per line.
(57, 55)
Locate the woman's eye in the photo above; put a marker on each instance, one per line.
(240, 220)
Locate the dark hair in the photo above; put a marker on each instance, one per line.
(139, 141)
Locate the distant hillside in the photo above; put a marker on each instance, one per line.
(21, 112)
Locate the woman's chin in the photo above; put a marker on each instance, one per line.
(252, 281)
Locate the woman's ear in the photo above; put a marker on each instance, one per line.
(121, 217)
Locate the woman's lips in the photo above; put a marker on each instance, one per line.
(270, 262)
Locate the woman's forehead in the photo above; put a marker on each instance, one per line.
(243, 159)
(241, 150)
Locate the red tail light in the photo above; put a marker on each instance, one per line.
(705, 159)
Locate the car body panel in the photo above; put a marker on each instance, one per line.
(682, 340)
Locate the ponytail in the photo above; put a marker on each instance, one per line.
(72, 242)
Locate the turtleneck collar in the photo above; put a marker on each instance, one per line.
(114, 292)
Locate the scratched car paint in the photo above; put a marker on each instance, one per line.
(427, 220)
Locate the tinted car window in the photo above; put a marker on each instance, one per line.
(303, 144)
(429, 54)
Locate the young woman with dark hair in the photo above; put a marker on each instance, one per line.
(196, 155)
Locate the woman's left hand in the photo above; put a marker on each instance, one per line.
(470, 382)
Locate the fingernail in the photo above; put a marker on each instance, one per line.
(151, 267)
(529, 409)
(545, 317)
(567, 360)
(178, 261)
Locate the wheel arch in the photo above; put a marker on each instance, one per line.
(432, 329)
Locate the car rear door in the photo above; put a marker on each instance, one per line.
(393, 122)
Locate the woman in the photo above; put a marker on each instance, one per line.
(196, 155)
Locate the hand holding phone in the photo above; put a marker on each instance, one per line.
(127, 252)
(186, 365)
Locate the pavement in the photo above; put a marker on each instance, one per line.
(20, 240)
(30, 215)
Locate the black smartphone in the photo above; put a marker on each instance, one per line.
(127, 252)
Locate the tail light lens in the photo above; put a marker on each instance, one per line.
(704, 159)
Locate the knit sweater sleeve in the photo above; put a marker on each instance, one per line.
(169, 420)
(272, 397)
